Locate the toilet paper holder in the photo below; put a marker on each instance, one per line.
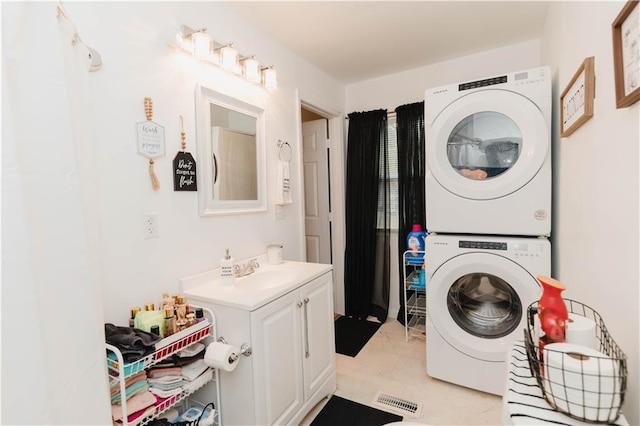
(245, 349)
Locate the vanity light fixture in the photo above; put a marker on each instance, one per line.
(203, 47)
(269, 77)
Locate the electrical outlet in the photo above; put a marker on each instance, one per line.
(151, 226)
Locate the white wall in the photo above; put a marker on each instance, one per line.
(75, 248)
(596, 182)
(409, 86)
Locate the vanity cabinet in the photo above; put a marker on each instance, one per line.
(295, 350)
(292, 365)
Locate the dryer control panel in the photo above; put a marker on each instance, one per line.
(484, 245)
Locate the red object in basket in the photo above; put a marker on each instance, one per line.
(552, 310)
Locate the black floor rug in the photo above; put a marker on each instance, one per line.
(353, 334)
(339, 411)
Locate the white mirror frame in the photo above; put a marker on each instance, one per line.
(208, 206)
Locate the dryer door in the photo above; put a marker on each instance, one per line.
(487, 144)
(477, 303)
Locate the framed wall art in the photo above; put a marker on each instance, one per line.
(576, 100)
(626, 54)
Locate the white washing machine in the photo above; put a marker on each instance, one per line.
(489, 155)
(478, 291)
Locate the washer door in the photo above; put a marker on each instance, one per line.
(487, 144)
(477, 303)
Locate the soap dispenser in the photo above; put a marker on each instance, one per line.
(226, 270)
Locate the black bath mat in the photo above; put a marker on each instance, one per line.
(342, 412)
(353, 334)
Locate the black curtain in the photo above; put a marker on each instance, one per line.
(411, 180)
(367, 253)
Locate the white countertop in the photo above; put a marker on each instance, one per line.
(246, 293)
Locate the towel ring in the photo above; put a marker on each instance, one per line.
(281, 146)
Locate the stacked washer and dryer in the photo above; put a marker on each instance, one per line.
(488, 211)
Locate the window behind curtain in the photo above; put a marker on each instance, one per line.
(393, 175)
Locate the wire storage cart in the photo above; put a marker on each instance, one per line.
(119, 371)
(586, 384)
(415, 296)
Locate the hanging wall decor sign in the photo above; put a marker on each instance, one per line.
(151, 141)
(184, 167)
(626, 54)
(576, 101)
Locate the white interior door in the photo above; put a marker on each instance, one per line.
(316, 189)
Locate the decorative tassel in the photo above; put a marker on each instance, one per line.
(155, 183)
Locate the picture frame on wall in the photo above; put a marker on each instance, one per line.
(576, 100)
(626, 54)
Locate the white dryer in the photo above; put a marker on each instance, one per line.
(478, 291)
(488, 155)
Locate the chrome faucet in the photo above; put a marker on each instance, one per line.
(248, 268)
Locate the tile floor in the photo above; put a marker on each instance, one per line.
(390, 364)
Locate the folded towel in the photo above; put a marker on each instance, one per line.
(157, 372)
(134, 389)
(137, 417)
(191, 351)
(115, 385)
(283, 192)
(165, 380)
(192, 371)
(162, 393)
(132, 343)
(134, 404)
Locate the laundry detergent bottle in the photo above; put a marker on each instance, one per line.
(415, 244)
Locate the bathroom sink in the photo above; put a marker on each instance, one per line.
(252, 291)
(263, 279)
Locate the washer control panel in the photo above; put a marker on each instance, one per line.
(515, 249)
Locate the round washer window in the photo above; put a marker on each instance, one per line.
(484, 305)
(484, 145)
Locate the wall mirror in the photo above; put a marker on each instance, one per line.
(231, 154)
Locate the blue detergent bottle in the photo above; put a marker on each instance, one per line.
(415, 243)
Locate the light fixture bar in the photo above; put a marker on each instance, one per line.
(201, 46)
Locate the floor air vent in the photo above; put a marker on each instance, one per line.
(397, 405)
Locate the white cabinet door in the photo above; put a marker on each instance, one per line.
(318, 342)
(277, 345)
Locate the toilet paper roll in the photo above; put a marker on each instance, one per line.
(219, 355)
(581, 380)
(581, 331)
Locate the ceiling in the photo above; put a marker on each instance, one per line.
(360, 40)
